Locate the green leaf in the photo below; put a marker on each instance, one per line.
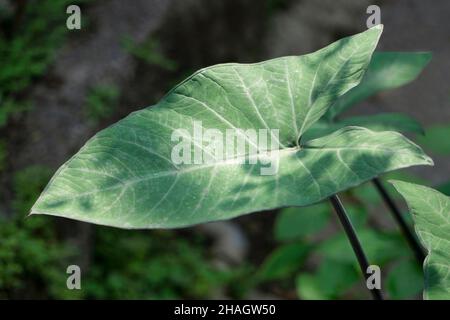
(379, 247)
(330, 281)
(444, 188)
(385, 122)
(387, 70)
(308, 287)
(404, 280)
(436, 139)
(125, 176)
(297, 222)
(284, 261)
(376, 122)
(431, 214)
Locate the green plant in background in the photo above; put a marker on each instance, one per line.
(435, 139)
(31, 255)
(333, 251)
(3, 155)
(32, 258)
(162, 265)
(29, 40)
(149, 52)
(101, 102)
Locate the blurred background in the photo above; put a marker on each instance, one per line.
(58, 87)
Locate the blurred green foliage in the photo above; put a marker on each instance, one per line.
(30, 253)
(149, 52)
(290, 225)
(101, 102)
(329, 281)
(283, 261)
(405, 280)
(154, 265)
(436, 140)
(328, 268)
(31, 32)
(3, 154)
(31, 257)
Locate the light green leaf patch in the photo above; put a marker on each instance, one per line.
(431, 213)
(125, 177)
(376, 122)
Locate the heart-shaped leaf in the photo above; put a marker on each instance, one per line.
(431, 213)
(126, 176)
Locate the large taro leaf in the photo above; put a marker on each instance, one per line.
(387, 70)
(431, 213)
(124, 176)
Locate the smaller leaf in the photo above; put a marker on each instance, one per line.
(284, 261)
(376, 122)
(404, 281)
(308, 287)
(431, 214)
(379, 247)
(357, 214)
(387, 70)
(385, 122)
(330, 281)
(444, 188)
(297, 222)
(436, 139)
(367, 194)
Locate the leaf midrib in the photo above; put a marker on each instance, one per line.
(229, 161)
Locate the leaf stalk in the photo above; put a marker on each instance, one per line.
(355, 243)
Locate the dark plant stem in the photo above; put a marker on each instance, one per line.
(354, 241)
(409, 235)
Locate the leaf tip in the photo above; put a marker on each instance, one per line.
(31, 213)
(378, 27)
(429, 160)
